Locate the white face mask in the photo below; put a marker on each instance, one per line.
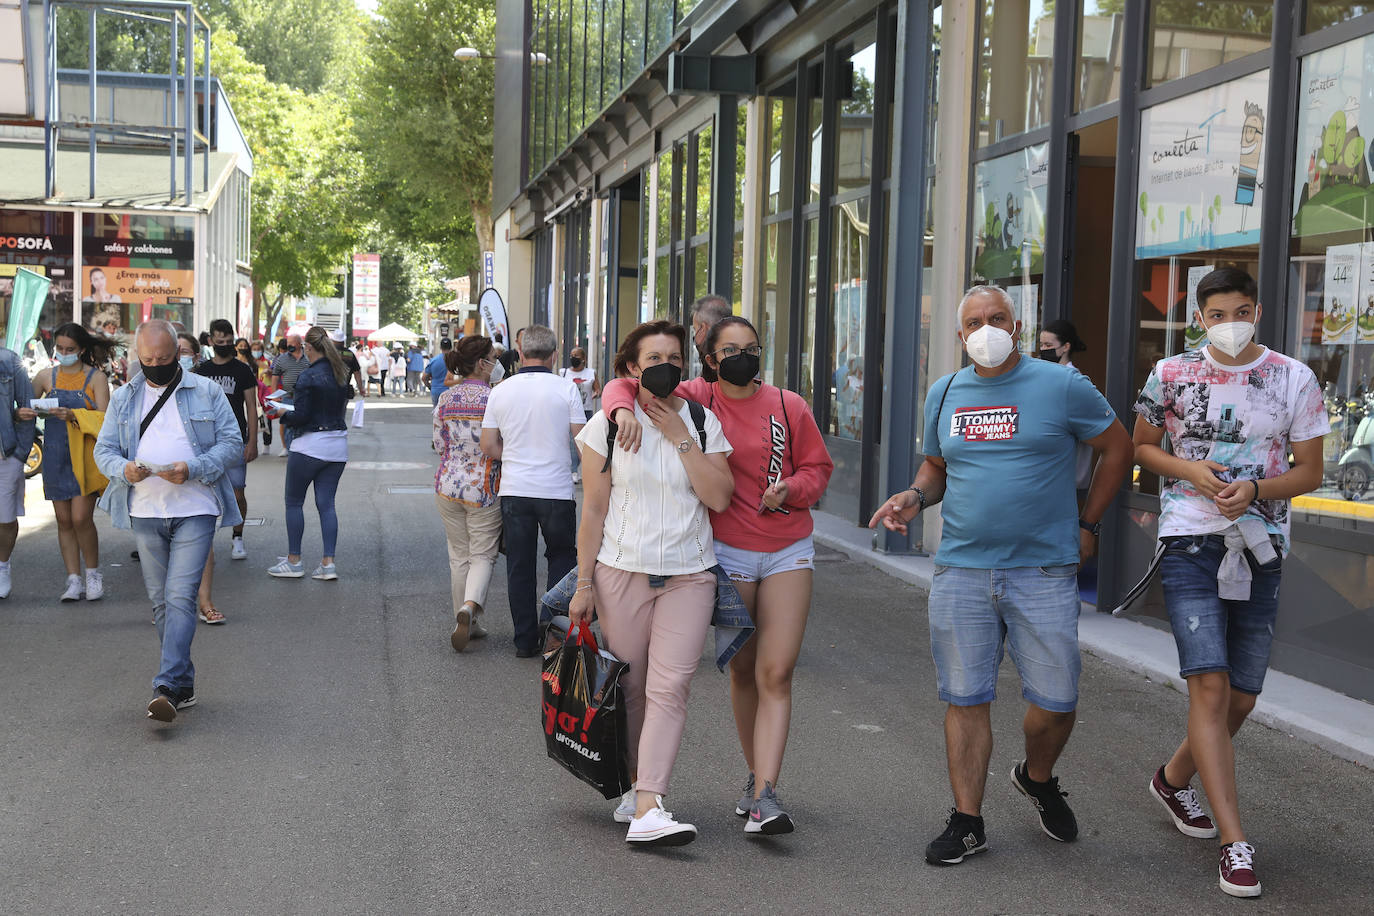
(989, 347)
(1231, 337)
(498, 372)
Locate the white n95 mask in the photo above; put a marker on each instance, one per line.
(989, 347)
(1231, 337)
(498, 372)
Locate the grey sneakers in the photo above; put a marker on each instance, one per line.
(766, 815)
(747, 799)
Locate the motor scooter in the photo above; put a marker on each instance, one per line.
(1356, 466)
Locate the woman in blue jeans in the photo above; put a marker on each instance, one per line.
(319, 452)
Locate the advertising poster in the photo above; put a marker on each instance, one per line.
(1201, 176)
(367, 285)
(493, 312)
(1331, 190)
(118, 285)
(1338, 294)
(1194, 336)
(1364, 317)
(1009, 202)
(1026, 302)
(488, 269)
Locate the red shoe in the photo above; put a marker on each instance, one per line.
(1237, 870)
(1183, 807)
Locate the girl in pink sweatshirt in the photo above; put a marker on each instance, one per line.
(763, 541)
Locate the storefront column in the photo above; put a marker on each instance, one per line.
(953, 155)
(723, 188)
(754, 184)
(1280, 152)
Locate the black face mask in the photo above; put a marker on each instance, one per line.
(740, 369)
(661, 380)
(1050, 353)
(224, 349)
(575, 363)
(162, 374)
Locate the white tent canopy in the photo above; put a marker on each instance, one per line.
(392, 331)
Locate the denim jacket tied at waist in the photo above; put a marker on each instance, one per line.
(16, 436)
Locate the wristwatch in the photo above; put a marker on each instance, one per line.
(684, 446)
(1093, 528)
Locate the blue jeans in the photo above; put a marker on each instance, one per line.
(1033, 610)
(1212, 633)
(172, 554)
(301, 472)
(524, 519)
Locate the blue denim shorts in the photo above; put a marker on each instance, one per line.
(756, 565)
(1213, 634)
(1033, 610)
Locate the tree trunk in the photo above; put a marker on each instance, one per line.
(482, 221)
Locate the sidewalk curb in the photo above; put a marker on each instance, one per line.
(1340, 725)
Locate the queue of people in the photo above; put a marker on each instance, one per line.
(691, 483)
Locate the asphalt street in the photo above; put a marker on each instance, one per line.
(343, 759)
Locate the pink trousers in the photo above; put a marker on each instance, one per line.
(660, 632)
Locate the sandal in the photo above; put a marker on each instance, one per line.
(209, 615)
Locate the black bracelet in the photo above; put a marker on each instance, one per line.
(920, 495)
(1256, 483)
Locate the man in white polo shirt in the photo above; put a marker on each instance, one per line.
(526, 426)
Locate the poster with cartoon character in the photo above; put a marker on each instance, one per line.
(1364, 302)
(1009, 204)
(1338, 294)
(1201, 173)
(1331, 190)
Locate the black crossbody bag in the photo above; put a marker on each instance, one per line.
(167, 393)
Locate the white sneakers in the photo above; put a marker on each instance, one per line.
(625, 811)
(239, 552)
(4, 580)
(95, 585)
(75, 586)
(657, 828)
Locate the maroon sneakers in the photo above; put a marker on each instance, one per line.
(1183, 807)
(1237, 870)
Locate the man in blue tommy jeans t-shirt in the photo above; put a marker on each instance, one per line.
(1000, 441)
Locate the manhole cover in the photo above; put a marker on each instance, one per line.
(411, 490)
(254, 522)
(386, 465)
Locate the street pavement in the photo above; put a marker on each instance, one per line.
(343, 759)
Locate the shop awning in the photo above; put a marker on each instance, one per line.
(392, 331)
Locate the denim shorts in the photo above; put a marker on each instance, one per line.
(1033, 610)
(756, 565)
(1212, 633)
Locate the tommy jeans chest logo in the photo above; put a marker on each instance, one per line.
(984, 424)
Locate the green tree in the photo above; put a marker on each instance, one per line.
(424, 125)
(310, 45)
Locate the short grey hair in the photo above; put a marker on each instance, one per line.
(539, 342)
(711, 308)
(154, 324)
(987, 290)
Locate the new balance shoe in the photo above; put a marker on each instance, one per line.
(766, 815)
(658, 828)
(239, 552)
(746, 800)
(75, 587)
(1056, 818)
(1236, 873)
(166, 701)
(325, 573)
(962, 838)
(95, 585)
(1183, 807)
(287, 570)
(4, 580)
(625, 811)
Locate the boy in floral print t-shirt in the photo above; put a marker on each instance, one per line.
(1233, 411)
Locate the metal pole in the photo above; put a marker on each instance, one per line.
(189, 103)
(50, 113)
(724, 188)
(172, 132)
(1279, 154)
(205, 101)
(90, 76)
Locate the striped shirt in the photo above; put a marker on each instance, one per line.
(289, 368)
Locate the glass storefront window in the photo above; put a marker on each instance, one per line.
(814, 130)
(1017, 49)
(701, 275)
(632, 42)
(660, 27)
(1009, 208)
(854, 150)
(1189, 36)
(806, 383)
(776, 299)
(136, 267)
(577, 66)
(779, 130)
(703, 195)
(41, 241)
(1098, 74)
(742, 183)
(849, 278)
(1322, 13)
(1331, 304)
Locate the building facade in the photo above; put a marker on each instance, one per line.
(841, 171)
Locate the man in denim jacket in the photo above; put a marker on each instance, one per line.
(16, 441)
(168, 484)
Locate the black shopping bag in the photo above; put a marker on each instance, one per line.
(584, 712)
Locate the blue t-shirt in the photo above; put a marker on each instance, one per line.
(438, 371)
(415, 361)
(1008, 443)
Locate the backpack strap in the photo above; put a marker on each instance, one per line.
(611, 429)
(697, 411)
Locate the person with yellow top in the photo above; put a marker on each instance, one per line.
(71, 480)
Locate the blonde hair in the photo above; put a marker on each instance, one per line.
(318, 338)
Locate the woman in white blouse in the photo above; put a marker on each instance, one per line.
(645, 552)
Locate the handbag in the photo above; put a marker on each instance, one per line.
(583, 712)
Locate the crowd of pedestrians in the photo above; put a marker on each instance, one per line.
(695, 486)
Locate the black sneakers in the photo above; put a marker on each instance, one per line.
(166, 701)
(1056, 819)
(963, 837)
